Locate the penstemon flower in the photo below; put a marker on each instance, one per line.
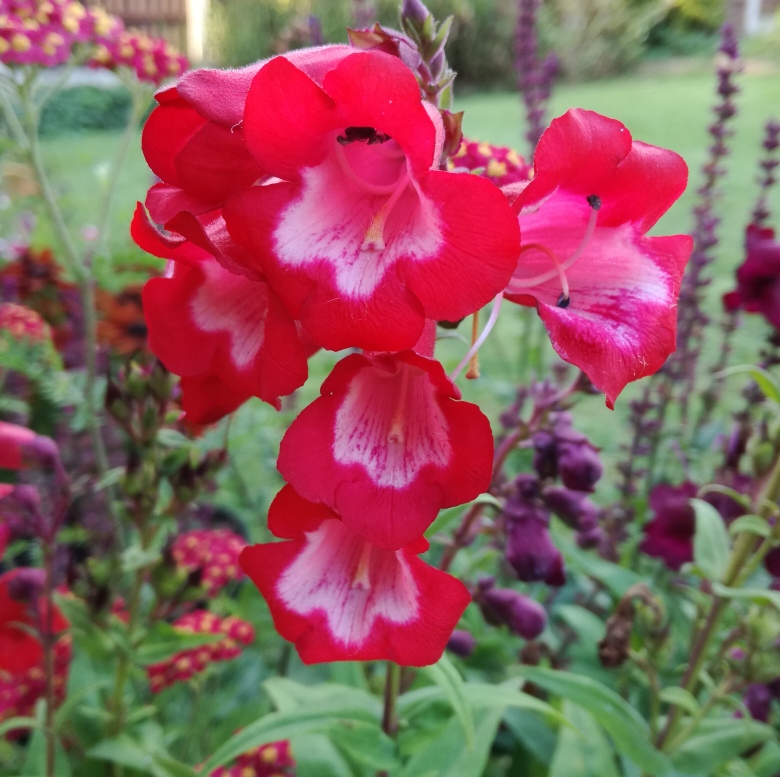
(308, 201)
(606, 292)
(389, 437)
(340, 598)
(365, 238)
(248, 344)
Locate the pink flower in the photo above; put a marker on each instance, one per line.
(365, 237)
(247, 345)
(23, 323)
(339, 598)
(20, 691)
(387, 445)
(41, 33)
(271, 760)
(758, 279)
(498, 164)
(187, 663)
(606, 292)
(213, 552)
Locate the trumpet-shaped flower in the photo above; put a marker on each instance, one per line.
(388, 445)
(247, 345)
(340, 598)
(606, 292)
(364, 237)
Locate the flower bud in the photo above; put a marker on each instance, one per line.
(772, 562)
(572, 507)
(580, 466)
(531, 552)
(461, 643)
(26, 584)
(758, 700)
(522, 615)
(415, 12)
(545, 454)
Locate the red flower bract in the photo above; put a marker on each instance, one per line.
(364, 237)
(387, 446)
(606, 293)
(339, 598)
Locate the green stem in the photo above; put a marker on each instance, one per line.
(48, 657)
(78, 268)
(392, 686)
(140, 100)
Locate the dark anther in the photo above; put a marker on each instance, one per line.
(362, 134)
(594, 201)
(563, 302)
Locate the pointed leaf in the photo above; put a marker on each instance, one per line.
(446, 676)
(711, 541)
(705, 752)
(629, 731)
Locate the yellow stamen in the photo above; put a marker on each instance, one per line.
(396, 433)
(362, 578)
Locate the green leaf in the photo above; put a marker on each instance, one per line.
(368, 746)
(615, 578)
(585, 754)
(287, 695)
(711, 541)
(679, 697)
(283, 725)
(316, 756)
(768, 384)
(480, 696)
(164, 641)
(165, 766)
(171, 438)
(35, 763)
(629, 731)
(122, 750)
(755, 595)
(19, 722)
(135, 558)
(754, 524)
(705, 752)
(766, 762)
(446, 676)
(450, 756)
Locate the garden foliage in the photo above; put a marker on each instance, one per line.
(435, 589)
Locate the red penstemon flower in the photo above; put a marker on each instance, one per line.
(364, 237)
(247, 343)
(340, 598)
(304, 200)
(387, 445)
(606, 292)
(20, 619)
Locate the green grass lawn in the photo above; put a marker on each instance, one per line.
(668, 108)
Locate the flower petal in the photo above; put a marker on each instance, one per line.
(387, 446)
(340, 599)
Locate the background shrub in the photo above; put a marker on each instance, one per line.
(84, 108)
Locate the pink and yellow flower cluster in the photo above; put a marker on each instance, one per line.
(45, 32)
